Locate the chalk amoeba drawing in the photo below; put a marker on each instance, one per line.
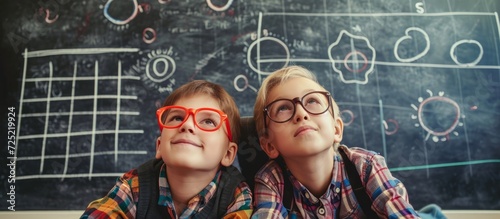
(438, 116)
(356, 55)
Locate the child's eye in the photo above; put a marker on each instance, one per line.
(312, 101)
(176, 118)
(284, 107)
(208, 122)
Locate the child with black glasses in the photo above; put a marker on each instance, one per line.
(308, 176)
(192, 174)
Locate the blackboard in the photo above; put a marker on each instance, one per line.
(417, 81)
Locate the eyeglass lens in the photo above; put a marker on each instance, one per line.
(205, 119)
(283, 110)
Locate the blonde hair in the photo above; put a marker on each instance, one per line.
(274, 79)
(225, 101)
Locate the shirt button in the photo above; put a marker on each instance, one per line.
(337, 190)
(307, 195)
(321, 211)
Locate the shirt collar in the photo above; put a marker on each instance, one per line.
(196, 203)
(335, 183)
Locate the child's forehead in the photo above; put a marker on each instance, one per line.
(295, 86)
(198, 101)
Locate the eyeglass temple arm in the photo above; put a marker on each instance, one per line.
(228, 128)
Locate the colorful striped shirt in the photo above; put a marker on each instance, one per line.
(390, 198)
(122, 200)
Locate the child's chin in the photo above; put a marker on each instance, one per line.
(305, 150)
(187, 163)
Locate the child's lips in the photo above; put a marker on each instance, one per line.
(302, 129)
(185, 141)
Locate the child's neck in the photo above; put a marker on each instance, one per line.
(184, 185)
(318, 167)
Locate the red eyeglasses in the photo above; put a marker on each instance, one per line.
(206, 119)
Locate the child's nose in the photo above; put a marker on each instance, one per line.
(188, 125)
(300, 113)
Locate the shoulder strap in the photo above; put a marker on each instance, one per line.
(364, 200)
(232, 178)
(148, 191)
(224, 196)
(288, 188)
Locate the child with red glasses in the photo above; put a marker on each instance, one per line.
(192, 174)
(300, 129)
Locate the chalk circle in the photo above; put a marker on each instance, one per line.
(148, 35)
(456, 44)
(365, 61)
(117, 21)
(160, 75)
(350, 117)
(218, 8)
(245, 86)
(394, 123)
(257, 42)
(441, 99)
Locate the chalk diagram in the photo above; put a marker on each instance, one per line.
(356, 55)
(222, 8)
(266, 52)
(351, 52)
(407, 37)
(390, 126)
(347, 117)
(219, 8)
(54, 98)
(118, 20)
(466, 43)
(117, 15)
(352, 55)
(438, 116)
(157, 68)
(241, 87)
(46, 15)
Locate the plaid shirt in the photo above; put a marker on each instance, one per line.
(121, 201)
(390, 199)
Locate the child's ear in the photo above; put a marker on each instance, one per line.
(269, 148)
(158, 154)
(339, 130)
(230, 155)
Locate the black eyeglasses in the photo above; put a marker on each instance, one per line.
(282, 110)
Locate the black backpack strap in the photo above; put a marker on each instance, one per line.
(363, 199)
(231, 178)
(224, 195)
(288, 188)
(148, 191)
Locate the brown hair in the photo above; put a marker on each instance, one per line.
(226, 101)
(274, 79)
